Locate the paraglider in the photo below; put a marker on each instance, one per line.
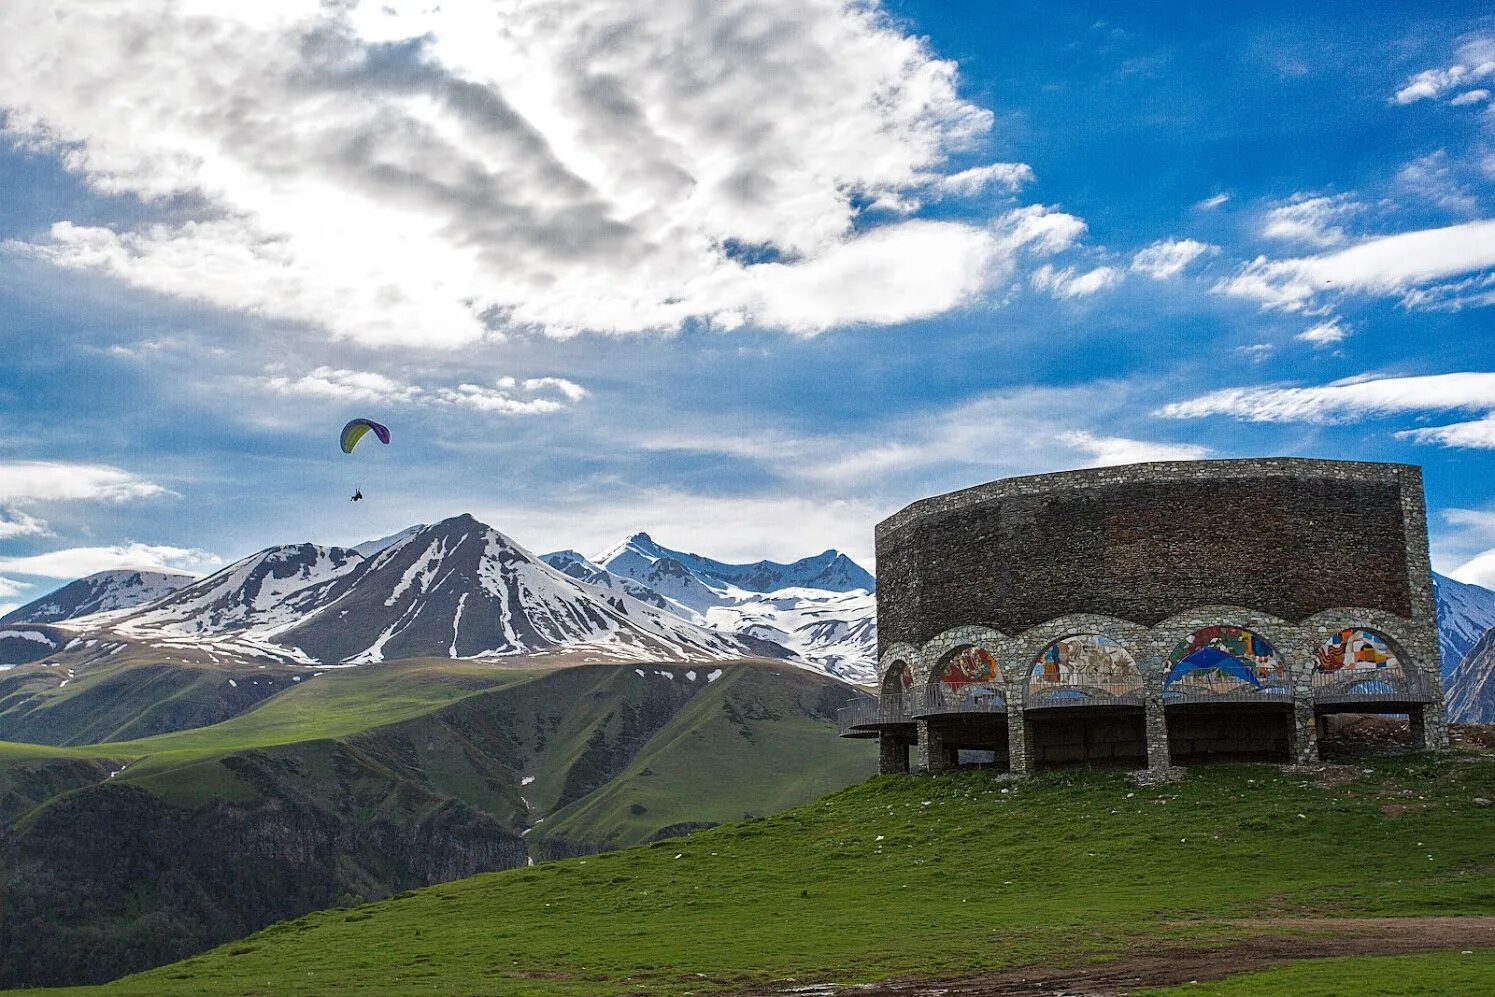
(355, 430)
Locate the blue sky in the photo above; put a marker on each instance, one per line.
(749, 276)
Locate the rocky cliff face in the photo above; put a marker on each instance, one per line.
(77, 876)
(1471, 687)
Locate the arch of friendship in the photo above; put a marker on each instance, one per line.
(1152, 615)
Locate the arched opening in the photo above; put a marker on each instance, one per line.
(1228, 697)
(1223, 663)
(1084, 704)
(1366, 700)
(895, 686)
(1084, 669)
(965, 707)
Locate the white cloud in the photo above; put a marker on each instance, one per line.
(1105, 451)
(1478, 570)
(344, 385)
(1070, 283)
(1256, 352)
(1476, 435)
(485, 399)
(1017, 431)
(1170, 257)
(1471, 97)
(1358, 398)
(969, 183)
(438, 174)
(1386, 265)
(1325, 333)
(570, 389)
(49, 481)
(15, 523)
(372, 387)
(1476, 62)
(1213, 202)
(75, 562)
(1309, 219)
(1432, 179)
(11, 587)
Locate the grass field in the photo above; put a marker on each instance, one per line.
(929, 876)
(1363, 976)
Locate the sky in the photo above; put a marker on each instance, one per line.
(749, 275)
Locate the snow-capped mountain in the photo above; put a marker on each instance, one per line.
(461, 589)
(836, 632)
(574, 565)
(258, 593)
(821, 608)
(1465, 614)
(831, 571)
(371, 547)
(103, 592)
(1471, 687)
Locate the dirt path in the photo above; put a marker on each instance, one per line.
(1166, 965)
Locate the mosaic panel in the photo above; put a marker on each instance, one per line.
(970, 675)
(1084, 665)
(1224, 660)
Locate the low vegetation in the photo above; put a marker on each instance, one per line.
(361, 784)
(931, 877)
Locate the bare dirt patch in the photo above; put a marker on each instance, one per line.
(1285, 940)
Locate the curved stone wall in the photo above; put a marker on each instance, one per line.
(1212, 585)
(1284, 536)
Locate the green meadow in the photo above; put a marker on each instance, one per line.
(928, 877)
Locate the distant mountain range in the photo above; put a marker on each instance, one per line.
(460, 589)
(99, 593)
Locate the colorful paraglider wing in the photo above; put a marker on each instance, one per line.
(357, 429)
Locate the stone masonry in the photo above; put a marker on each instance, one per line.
(1292, 550)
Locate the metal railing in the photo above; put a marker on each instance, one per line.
(943, 700)
(1053, 695)
(1392, 684)
(866, 715)
(1184, 691)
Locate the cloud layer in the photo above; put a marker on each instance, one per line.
(436, 176)
(75, 562)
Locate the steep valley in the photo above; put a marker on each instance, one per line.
(363, 783)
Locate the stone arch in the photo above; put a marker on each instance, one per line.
(1285, 638)
(1029, 644)
(964, 669)
(1360, 662)
(896, 685)
(894, 653)
(1223, 662)
(1081, 670)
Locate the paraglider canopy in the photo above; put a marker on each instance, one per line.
(357, 429)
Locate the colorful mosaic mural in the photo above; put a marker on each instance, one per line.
(1359, 650)
(971, 675)
(1219, 660)
(1086, 662)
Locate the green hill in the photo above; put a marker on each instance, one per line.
(365, 782)
(941, 877)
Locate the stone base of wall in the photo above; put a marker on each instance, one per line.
(1089, 737)
(1222, 733)
(953, 741)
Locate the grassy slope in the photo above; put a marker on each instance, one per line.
(927, 875)
(536, 718)
(706, 766)
(1364, 976)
